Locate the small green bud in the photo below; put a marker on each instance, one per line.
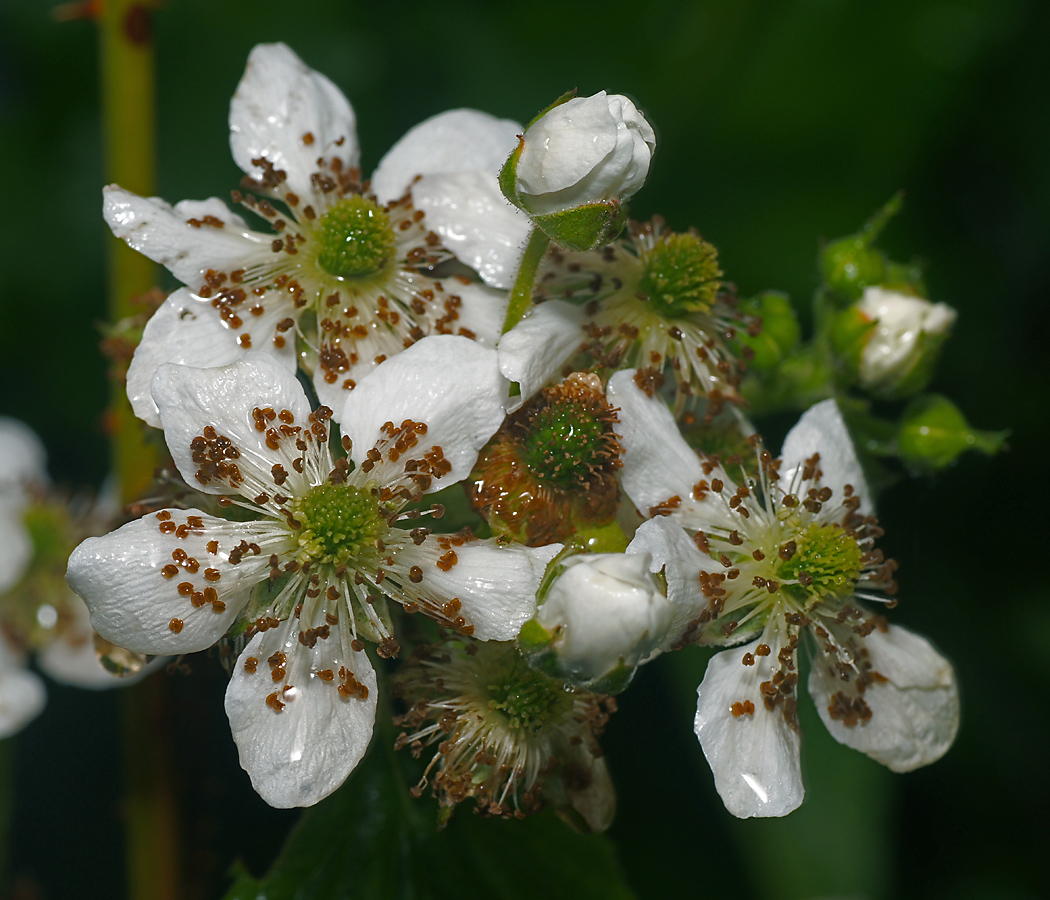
(780, 331)
(851, 264)
(933, 433)
(850, 332)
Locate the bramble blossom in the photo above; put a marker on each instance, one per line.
(307, 579)
(767, 561)
(345, 278)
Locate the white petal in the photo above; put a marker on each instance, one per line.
(188, 331)
(451, 141)
(16, 548)
(22, 694)
(279, 101)
(658, 465)
(533, 352)
(595, 800)
(23, 459)
(495, 583)
(755, 756)
(914, 713)
(449, 383)
(475, 221)
(157, 230)
(134, 603)
(300, 754)
(482, 311)
(191, 399)
(822, 430)
(673, 553)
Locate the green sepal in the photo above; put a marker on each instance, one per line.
(564, 98)
(780, 329)
(508, 175)
(585, 227)
(933, 433)
(849, 333)
(851, 264)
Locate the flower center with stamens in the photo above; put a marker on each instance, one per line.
(355, 238)
(565, 443)
(828, 555)
(526, 700)
(680, 275)
(340, 522)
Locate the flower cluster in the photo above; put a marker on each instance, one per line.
(527, 421)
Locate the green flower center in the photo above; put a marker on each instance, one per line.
(527, 700)
(830, 557)
(340, 522)
(680, 275)
(564, 443)
(355, 238)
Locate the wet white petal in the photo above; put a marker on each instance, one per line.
(279, 102)
(495, 583)
(188, 331)
(658, 465)
(134, 603)
(914, 713)
(16, 548)
(22, 694)
(157, 230)
(822, 430)
(189, 399)
(449, 383)
(677, 556)
(451, 141)
(475, 221)
(300, 754)
(754, 756)
(533, 351)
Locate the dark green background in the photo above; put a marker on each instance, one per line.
(778, 123)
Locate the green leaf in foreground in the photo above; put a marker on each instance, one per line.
(370, 839)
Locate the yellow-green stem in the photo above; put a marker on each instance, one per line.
(521, 293)
(126, 59)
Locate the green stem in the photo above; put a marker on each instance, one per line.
(128, 116)
(521, 293)
(126, 59)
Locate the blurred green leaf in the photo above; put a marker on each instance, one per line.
(371, 839)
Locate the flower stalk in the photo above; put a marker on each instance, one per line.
(128, 110)
(521, 293)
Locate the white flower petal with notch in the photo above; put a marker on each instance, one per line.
(278, 102)
(533, 352)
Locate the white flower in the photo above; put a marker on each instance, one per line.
(347, 268)
(898, 342)
(310, 575)
(763, 560)
(605, 612)
(585, 150)
(512, 738)
(651, 300)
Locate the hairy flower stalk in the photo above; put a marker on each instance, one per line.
(549, 473)
(326, 545)
(511, 738)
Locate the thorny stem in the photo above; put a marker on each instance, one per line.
(126, 59)
(521, 293)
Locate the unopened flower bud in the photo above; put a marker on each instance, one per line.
(779, 332)
(575, 166)
(933, 433)
(853, 263)
(602, 617)
(901, 349)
